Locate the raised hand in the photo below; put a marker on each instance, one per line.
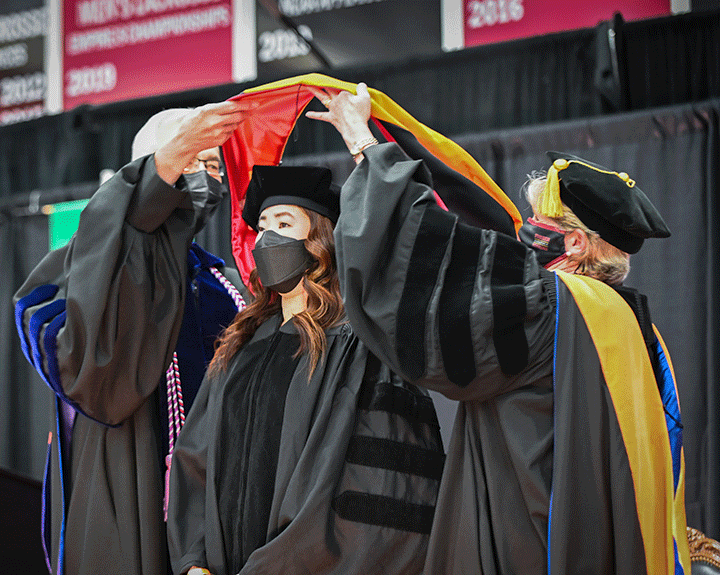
(348, 112)
(205, 127)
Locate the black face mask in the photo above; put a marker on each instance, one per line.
(281, 261)
(547, 242)
(206, 194)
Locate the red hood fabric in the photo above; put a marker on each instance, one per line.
(459, 180)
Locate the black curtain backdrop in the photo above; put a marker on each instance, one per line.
(669, 60)
(20, 507)
(565, 89)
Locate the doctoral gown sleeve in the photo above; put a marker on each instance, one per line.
(188, 479)
(459, 309)
(99, 317)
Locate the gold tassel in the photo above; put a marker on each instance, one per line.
(551, 205)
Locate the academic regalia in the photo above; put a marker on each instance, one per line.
(276, 472)
(100, 320)
(546, 472)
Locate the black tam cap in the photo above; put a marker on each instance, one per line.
(607, 202)
(310, 188)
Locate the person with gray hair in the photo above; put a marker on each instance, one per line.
(587, 252)
(566, 455)
(110, 326)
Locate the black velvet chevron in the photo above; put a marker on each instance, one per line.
(395, 456)
(385, 391)
(431, 243)
(385, 511)
(454, 309)
(509, 305)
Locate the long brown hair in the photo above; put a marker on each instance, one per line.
(324, 303)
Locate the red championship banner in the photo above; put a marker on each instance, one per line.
(123, 49)
(487, 21)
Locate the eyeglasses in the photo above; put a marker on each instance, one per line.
(212, 166)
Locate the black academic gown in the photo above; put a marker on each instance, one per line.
(542, 472)
(273, 473)
(99, 319)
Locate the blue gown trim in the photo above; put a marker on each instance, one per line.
(45, 503)
(63, 524)
(678, 566)
(38, 295)
(671, 404)
(54, 315)
(50, 343)
(37, 323)
(555, 341)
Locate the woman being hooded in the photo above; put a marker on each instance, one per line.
(302, 452)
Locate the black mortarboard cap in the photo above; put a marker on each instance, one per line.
(308, 187)
(607, 202)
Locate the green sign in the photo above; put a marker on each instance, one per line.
(63, 221)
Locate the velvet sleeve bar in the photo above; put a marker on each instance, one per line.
(456, 308)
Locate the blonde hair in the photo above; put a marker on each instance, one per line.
(600, 260)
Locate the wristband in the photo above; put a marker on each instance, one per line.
(360, 145)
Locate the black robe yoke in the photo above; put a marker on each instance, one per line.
(542, 471)
(273, 473)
